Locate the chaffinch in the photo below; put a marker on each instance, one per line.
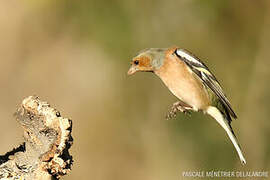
(191, 81)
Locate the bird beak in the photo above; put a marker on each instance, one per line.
(132, 70)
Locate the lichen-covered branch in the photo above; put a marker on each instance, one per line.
(47, 138)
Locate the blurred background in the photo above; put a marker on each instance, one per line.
(75, 55)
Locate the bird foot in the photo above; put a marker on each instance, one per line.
(176, 107)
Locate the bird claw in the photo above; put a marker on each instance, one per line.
(176, 107)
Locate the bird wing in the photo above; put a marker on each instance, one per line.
(205, 75)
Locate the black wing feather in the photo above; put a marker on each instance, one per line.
(208, 79)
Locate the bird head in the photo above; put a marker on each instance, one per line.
(147, 60)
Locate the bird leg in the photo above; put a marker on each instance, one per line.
(176, 107)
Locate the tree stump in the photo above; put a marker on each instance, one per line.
(47, 138)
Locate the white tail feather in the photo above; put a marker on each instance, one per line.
(216, 114)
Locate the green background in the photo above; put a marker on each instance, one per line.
(75, 55)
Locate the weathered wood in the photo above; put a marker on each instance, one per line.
(47, 138)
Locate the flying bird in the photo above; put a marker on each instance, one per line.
(191, 81)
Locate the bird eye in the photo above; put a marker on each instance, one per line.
(136, 62)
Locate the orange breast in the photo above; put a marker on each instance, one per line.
(183, 83)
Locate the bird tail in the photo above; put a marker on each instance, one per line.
(218, 116)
